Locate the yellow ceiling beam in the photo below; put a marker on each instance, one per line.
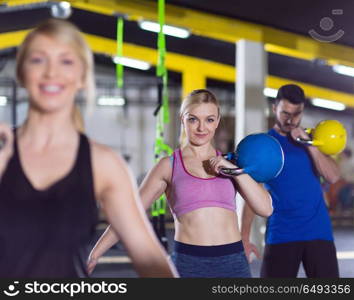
(21, 2)
(185, 65)
(220, 28)
(12, 39)
(192, 80)
(225, 29)
(174, 62)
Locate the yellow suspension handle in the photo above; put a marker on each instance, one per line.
(309, 130)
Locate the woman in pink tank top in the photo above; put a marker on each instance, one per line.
(202, 201)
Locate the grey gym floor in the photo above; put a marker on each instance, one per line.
(115, 263)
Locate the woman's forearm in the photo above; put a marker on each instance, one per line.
(256, 196)
(246, 222)
(104, 243)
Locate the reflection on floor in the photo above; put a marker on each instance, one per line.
(115, 263)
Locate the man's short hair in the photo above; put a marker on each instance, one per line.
(291, 92)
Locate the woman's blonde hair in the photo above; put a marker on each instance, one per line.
(198, 96)
(69, 34)
(78, 119)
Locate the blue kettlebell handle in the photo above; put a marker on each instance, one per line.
(231, 156)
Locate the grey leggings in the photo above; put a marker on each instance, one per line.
(228, 261)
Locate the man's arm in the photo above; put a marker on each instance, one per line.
(324, 164)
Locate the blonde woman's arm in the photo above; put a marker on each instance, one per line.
(254, 193)
(154, 184)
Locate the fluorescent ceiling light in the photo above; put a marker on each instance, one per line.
(111, 101)
(345, 254)
(61, 10)
(344, 70)
(3, 100)
(328, 104)
(268, 92)
(132, 63)
(167, 29)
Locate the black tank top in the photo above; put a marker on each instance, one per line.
(46, 233)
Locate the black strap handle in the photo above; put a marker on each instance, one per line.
(231, 171)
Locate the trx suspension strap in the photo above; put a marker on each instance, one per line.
(119, 66)
(120, 77)
(162, 113)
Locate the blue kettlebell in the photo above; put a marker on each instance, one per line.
(259, 155)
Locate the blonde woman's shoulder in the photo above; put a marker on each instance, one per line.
(108, 166)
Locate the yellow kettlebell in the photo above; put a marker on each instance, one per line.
(329, 136)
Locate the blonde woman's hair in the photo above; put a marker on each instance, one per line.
(78, 119)
(198, 96)
(69, 34)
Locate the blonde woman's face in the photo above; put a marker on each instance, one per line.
(200, 122)
(52, 73)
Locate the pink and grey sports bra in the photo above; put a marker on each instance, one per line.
(189, 192)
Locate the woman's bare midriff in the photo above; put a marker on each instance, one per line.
(207, 226)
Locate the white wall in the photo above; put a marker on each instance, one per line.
(130, 134)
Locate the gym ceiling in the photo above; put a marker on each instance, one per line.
(215, 26)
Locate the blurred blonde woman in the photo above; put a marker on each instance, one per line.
(53, 178)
